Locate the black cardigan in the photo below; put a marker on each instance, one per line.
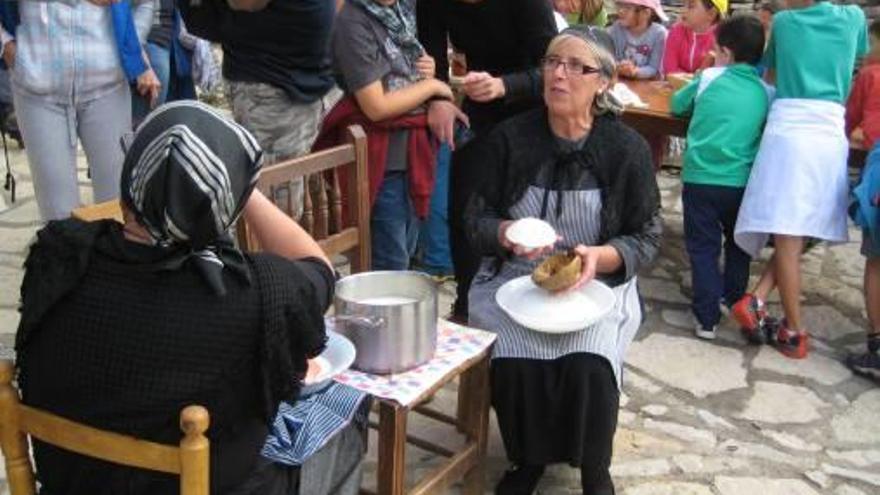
(617, 156)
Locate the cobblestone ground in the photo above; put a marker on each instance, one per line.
(697, 418)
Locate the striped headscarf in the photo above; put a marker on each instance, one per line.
(186, 177)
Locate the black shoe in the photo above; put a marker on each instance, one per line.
(765, 333)
(865, 364)
(519, 480)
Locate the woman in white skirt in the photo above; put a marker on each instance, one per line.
(798, 187)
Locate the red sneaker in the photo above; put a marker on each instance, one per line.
(749, 312)
(793, 343)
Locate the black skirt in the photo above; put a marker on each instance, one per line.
(555, 411)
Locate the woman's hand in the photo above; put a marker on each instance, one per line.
(426, 66)
(589, 261)
(441, 119)
(9, 53)
(517, 249)
(148, 86)
(482, 87)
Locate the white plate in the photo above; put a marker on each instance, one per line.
(627, 97)
(538, 309)
(336, 358)
(531, 233)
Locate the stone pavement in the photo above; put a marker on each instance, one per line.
(697, 418)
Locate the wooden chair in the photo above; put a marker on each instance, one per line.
(336, 231)
(190, 460)
(99, 211)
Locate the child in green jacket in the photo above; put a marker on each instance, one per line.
(728, 105)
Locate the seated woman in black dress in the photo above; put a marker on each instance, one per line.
(574, 164)
(124, 325)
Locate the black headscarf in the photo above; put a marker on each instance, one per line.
(186, 178)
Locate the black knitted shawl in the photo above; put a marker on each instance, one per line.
(617, 156)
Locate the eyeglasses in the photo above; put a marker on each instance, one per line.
(571, 66)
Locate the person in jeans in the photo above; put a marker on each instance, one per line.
(277, 66)
(728, 105)
(69, 86)
(389, 79)
(164, 50)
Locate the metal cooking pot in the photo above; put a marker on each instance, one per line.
(390, 317)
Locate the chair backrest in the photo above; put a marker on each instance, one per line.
(190, 460)
(108, 210)
(336, 209)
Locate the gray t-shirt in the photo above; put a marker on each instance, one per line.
(363, 53)
(645, 51)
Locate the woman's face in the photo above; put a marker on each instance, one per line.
(571, 80)
(696, 16)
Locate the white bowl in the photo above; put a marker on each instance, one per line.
(530, 232)
(336, 358)
(542, 311)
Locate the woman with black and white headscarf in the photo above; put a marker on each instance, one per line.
(123, 325)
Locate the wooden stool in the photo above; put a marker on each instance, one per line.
(467, 463)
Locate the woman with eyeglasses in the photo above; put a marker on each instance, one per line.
(574, 164)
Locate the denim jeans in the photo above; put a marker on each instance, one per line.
(51, 132)
(394, 228)
(434, 235)
(160, 61)
(709, 213)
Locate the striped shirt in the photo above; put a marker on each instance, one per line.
(66, 50)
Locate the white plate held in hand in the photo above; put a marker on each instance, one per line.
(540, 310)
(530, 232)
(336, 358)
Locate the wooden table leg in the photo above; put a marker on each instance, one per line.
(474, 394)
(392, 449)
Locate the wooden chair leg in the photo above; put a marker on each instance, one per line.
(194, 451)
(19, 471)
(461, 407)
(474, 394)
(392, 449)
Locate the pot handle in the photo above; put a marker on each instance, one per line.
(372, 322)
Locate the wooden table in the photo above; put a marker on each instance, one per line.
(656, 119)
(100, 211)
(472, 420)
